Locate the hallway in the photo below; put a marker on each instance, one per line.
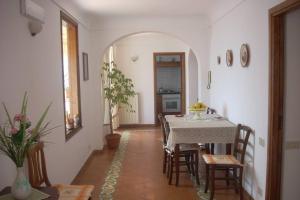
(141, 174)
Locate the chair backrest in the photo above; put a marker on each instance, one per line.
(160, 116)
(167, 129)
(241, 142)
(37, 166)
(164, 129)
(211, 111)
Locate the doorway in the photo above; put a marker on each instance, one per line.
(169, 83)
(278, 98)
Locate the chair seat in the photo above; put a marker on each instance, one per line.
(220, 160)
(74, 192)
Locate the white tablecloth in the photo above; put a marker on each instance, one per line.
(211, 129)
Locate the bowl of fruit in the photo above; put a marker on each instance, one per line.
(198, 109)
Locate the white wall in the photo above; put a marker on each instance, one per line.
(291, 161)
(193, 31)
(141, 71)
(33, 64)
(192, 84)
(239, 93)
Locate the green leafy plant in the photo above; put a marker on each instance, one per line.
(16, 135)
(117, 89)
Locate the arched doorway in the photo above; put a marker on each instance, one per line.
(134, 57)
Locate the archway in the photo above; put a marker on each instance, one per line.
(134, 56)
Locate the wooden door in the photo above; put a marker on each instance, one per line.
(157, 98)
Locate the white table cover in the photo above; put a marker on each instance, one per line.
(210, 129)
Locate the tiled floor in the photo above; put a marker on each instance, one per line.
(141, 176)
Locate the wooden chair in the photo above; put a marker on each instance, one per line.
(37, 166)
(233, 163)
(164, 137)
(188, 152)
(38, 176)
(210, 148)
(167, 152)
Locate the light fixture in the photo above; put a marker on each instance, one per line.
(134, 58)
(35, 27)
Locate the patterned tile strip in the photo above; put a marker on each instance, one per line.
(202, 173)
(200, 189)
(110, 182)
(112, 176)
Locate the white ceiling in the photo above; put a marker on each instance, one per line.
(155, 7)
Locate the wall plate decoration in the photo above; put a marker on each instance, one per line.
(229, 58)
(219, 60)
(244, 55)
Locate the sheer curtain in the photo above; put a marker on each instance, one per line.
(110, 57)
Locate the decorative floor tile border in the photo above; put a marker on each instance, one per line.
(113, 173)
(200, 189)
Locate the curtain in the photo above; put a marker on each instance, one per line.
(109, 57)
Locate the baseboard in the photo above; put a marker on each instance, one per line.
(84, 167)
(137, 125)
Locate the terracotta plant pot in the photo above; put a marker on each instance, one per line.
(113, 140)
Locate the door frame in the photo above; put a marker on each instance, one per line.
(183, 84)
(276, 97)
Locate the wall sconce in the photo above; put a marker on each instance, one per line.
(134, 58)
(35, 27)
(35, 13)
(209, 80)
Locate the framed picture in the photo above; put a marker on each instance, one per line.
(85, 65)
(229, 58)
(244, 55)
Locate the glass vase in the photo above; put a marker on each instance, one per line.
(21, 188)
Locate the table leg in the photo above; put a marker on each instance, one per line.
(177, 163)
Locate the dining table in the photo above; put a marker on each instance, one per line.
(209, 128)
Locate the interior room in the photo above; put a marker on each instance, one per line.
(143, 99)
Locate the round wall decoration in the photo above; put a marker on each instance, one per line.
(229, 58)
(244, 55)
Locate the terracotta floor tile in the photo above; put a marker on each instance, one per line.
(141, 176)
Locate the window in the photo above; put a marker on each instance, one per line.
(69, 42)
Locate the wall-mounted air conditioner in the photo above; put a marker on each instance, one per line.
(32, 10)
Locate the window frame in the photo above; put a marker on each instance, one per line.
(68, 19)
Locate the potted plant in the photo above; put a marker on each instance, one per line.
(16, 138)
(117, 90)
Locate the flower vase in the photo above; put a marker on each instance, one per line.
(21, 188)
